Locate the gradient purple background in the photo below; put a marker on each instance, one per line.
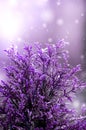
(46, 21)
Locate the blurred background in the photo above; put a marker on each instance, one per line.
(45, 21)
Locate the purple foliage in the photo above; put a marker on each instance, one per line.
(39, 83)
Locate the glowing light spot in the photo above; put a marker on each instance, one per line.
(76, 104)
(76, 21)
(47, 15)
(13, 2)
(19, 39)
(44, 25)
(82, 14)
(82, 56)
(58, 3)
(60, 22)
(83, 105)
(50, 40)
(9, 25)
(44, 50)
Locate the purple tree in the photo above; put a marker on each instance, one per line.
(38, 85)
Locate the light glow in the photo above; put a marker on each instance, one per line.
(76, 104)
(44, 25)
(41, 2)
(58, 3)
(50, 40)
(47, 15)
(9, 25)
(76, 21)
(82, 14)
(84, 105)
(12, 2)
(60, 22)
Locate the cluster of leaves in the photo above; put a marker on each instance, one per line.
(38, 85)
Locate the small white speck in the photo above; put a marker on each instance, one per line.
(50, 39)
(44, 50)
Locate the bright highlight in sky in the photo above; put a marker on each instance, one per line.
(9, 25)
(47, 16)
(12, 2)
(41, 2)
